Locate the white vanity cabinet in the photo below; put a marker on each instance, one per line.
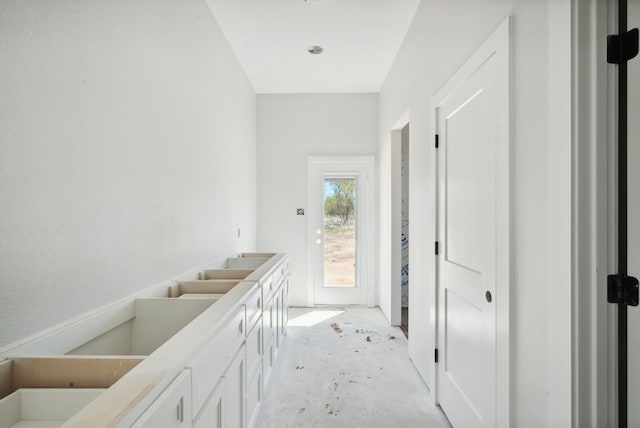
(195, 352)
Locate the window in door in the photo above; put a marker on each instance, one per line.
(340, 231)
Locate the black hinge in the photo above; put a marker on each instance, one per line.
(437, 137)
(622, 47)
(436, 248)
(435, 355)
(622, 290)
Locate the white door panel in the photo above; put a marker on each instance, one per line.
(467, 267)
(469, 194)
(469, 175)
(465, 333)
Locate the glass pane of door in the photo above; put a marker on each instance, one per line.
(340, 231)
(633, 141)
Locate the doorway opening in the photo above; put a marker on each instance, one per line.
(404, 230)
(398, 275)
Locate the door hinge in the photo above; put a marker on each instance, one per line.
(437, 250)
(435, 355)
(622, 290)
(622, 47)
(437, 138)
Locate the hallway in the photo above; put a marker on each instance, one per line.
(345, 367)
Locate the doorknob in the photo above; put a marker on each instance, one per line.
(488, 296)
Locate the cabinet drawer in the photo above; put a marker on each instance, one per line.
(277, 275)
(267, 289)
(285, 286)
(211, 363)
(254, 348)
(172, 408)
(253, 309)
(254, 398)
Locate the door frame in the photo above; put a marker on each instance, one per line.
(366, 236)
(499, 43)
(395, 311)
(594, 335)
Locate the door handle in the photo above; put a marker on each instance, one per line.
(180, 410)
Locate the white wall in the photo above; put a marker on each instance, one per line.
(127, 153)
(290, 128)
(442, 36)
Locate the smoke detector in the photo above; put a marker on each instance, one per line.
(315, 50)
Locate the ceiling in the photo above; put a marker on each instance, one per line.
(360, 39)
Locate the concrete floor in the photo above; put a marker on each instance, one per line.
(345, 367)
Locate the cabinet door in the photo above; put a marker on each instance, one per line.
(172, 408)
(269, 320)
(254, 348)
(285, 311)
(212, 414)
(277, 299)
(268, 358)
(254, 397)
(210, 364)
(281, 314)
(235, 391)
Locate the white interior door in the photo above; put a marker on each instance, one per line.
(340, 244)
(472, 189)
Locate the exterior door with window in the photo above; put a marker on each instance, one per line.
(340, 245)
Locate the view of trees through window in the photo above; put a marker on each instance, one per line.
(340, 232)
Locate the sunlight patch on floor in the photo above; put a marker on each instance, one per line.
(312, 318)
